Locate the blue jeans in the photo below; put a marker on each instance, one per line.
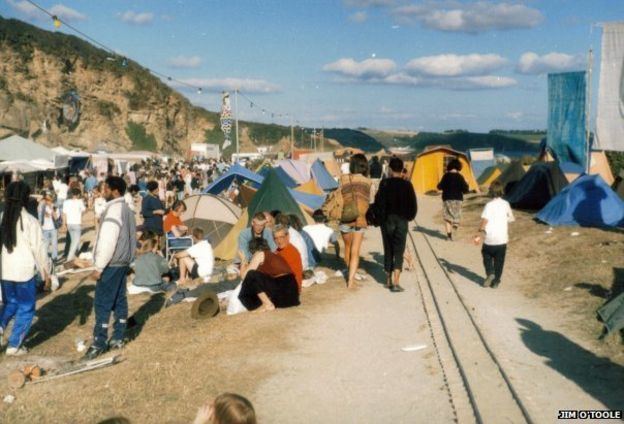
(73, 232)
(19, 303)
(110, 296)
(51, 238)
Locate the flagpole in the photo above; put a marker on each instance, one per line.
(588, 112)
(236, 112)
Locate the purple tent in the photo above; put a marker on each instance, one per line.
(296, 169)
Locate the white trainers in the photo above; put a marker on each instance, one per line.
(16, 351)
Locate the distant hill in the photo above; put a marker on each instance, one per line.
(354, 138)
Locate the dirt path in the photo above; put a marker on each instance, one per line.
(550, 367)
(348, 366)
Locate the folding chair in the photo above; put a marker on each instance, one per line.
(176, 244)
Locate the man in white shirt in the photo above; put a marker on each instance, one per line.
(495, 218)
(72, 222)
(61, 188)
(322, 234)
(198, 260)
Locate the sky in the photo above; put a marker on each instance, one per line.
(386, 64)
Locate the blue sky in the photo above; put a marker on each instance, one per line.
(388, 64)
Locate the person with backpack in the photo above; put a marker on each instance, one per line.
(113, 252)
(22, 254)
(349, 204)
(395, 204)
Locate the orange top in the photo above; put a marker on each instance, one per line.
(293, 259)
(170, 221)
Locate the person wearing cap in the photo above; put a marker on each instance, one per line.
(113, 252)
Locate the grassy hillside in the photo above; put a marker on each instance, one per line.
(354, 138)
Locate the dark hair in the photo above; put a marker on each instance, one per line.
(152, 185)
(116, 184)
(75, 192)
(198, 233)
(454, 164)
(295, 222)
(134, 188)
(177, 204)
(257, 244)
(358, 164)
(16, 197)
(497, 189)
(319, 216)
(283, 219)
(396, 164)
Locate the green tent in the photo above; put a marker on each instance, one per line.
(273, 195)
(510, 176)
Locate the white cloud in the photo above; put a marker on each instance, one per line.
(370, 3)
(452, 65)
(246, 85)
(366, 69)
(359, 17)
(474, 17)
(531, 63)
(63, 12)
(188, 62)
(134, 18)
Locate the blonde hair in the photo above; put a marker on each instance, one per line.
(230, 408)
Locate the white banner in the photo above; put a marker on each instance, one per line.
(610, 118)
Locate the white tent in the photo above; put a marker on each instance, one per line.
(16, 148)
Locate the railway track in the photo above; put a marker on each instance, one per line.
(479, 390)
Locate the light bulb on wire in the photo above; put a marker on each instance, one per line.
(56, 21)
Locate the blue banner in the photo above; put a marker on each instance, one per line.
(566, 117)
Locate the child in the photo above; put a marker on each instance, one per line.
(197, 261)
(150, 267)
(227, 408)
(99, 204)
(494, 219)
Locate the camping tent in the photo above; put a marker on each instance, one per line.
(481, 159)
(215, 215)
(431, 165)
(489, 175)
(511, 175)
(236, 172)
(298, 170)
(599, 165)
(542, 182)
(16, 148)
(310, 188)
(226, 249)
(588, 202)
(283, 176)
(323, 177)
(273, 195)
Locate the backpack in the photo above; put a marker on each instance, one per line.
(350, 211)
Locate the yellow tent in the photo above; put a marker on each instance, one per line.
(431, 164)
(599, 165)
(332, 167)
(490, 177)
(310, 188)
(226, 250)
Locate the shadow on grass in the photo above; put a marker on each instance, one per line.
(599, 377)
(463, 271)
(59, 313)
(600, 291)
(137, 321)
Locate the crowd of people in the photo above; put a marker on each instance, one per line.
(276, 255)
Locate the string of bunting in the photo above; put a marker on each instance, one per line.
(264, 110)
(57, 22)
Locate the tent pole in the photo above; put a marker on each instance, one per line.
(588, 112)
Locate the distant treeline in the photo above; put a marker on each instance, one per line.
(463, 141)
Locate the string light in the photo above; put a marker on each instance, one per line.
(56, 21)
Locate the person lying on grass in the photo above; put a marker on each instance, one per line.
(268, 280)
(197, 261)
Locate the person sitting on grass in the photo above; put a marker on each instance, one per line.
(312, 254)
(268, 281)
(295, 238)
(287, 251)
(173, 225)
(227, 408)
(259, 229)
(197, 261)
(150, 268)
(322, 235)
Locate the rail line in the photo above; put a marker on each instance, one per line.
(482, 392)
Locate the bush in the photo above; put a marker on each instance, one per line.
(108, 109)
(141, 140)
(616, 162)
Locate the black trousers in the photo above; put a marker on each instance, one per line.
(283, 291)
(394, 235)
(494, 260)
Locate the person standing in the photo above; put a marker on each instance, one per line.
(72, 222)
(112, 254)
(152, 210)
(61, 189)
(375, 170)
(49, 219)
(354, 188)
(495, 218)
(22, 250)
(396, 204)
(453, 186)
